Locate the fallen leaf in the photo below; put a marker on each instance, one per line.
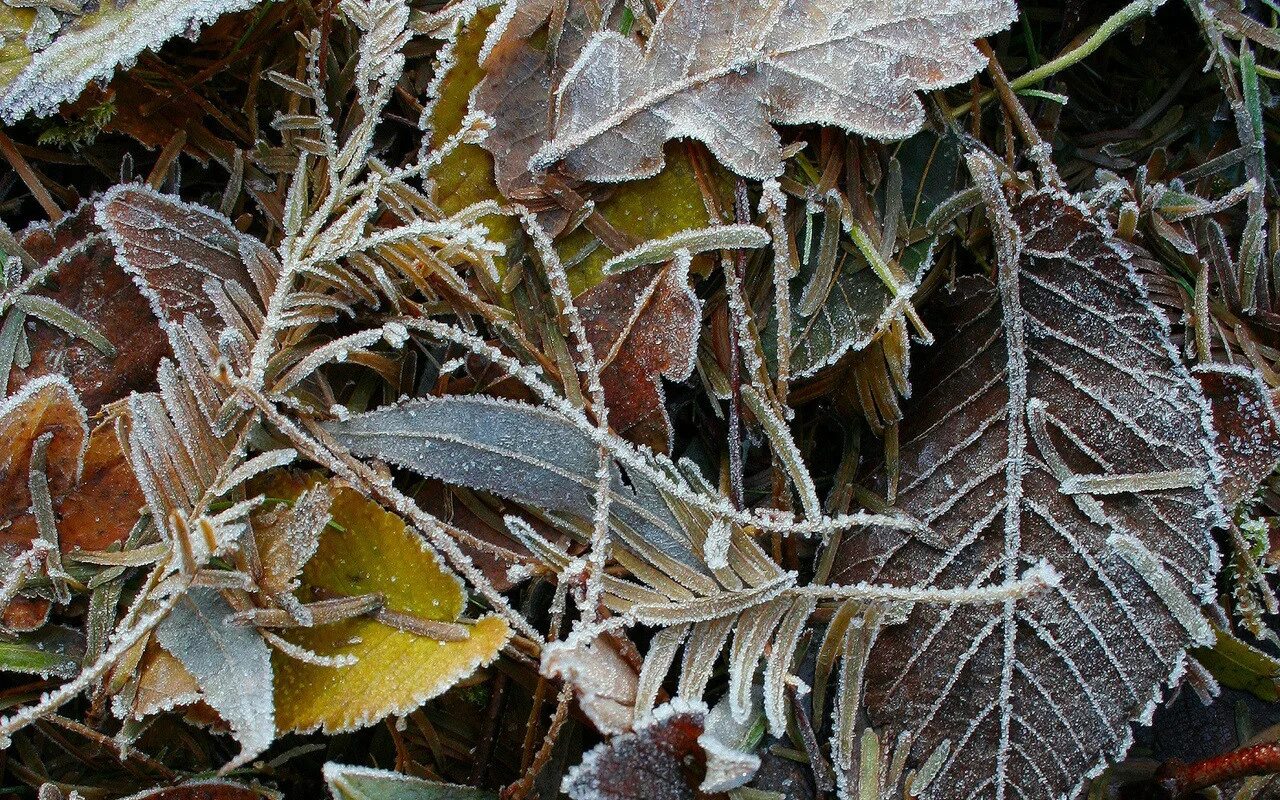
(396, 671)
(722, 72)
(106, 502)
(1058, 428)
(45, 406)
(172, 248)
(93, 286)
(96, 500)
(161, 684)
(1246, 425)
(665, 758)
(230, 662)
(514, 450)
(603, 681)
(363, 783)
(41, 68)
(644, 325)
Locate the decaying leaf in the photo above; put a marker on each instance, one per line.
(671, 755)
(96, 289)
(396, 670)
(45, 407)
(604, 682)
(723, 72)
(47, 58)
(1057, 426)
(644, 326)
(1246, 427)
(174, 250)
(230, 662)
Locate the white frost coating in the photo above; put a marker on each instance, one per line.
(723, 72)
(14, 403)
(59, 72)
(603, 681)
(231, 663)
(692, 241)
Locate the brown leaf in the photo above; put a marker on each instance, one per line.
(96, 499)
(47, 405)
(1246, 426)
(97, 289)
(644, 325)
(1057, 429)
(660, 760)
(173, 248)
(518, 85)
(725, 72)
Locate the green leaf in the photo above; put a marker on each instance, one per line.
(1241, 666)
(52, 650)
(363, 783)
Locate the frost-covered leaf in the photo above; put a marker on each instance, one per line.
(396, 670)
(52, 650)
(603, 681)
(1246, 426)
(724, 72)
(666, 757)
(1235, 663)
(230, 662)
(854, 306)
(40, 72)
(93, 286)
(514, 450)
(644, 326)
(364, 783)
(185, 258)
(45, 407)
(1058, 426)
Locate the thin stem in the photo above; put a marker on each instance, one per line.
(1113, 25)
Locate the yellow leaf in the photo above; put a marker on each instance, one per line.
(653, 208)
(397, 671)
(465, 176)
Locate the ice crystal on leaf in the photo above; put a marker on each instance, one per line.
(1058, 426)
(725, 72)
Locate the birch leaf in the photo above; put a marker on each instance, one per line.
(1058, 426)
(724, 72)
(396, 671)
(231, 663)
(39, 73)
(1246, 425)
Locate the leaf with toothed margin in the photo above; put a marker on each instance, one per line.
(725, 72)
(1057, 425)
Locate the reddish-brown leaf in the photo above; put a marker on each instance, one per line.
(95, 287)
(1245, 425)
(644, 325)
